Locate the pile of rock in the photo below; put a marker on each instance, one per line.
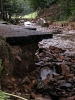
(52, 77)
(42, 22)
(57, 73)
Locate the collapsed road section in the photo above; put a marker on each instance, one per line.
(15, 34)
(26, 37)
(19, 59)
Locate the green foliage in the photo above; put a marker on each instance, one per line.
(1, 67)
(30, 16)
(41, 3)
(73, 7)
(25, 7)
(4, 96)
(71, 18)
(14, 6)
(67, 8)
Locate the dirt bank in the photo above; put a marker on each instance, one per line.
(47, 73)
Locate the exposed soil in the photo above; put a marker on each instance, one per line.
(38, 73)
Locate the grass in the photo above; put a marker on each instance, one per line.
(6, 96)
(29, 16)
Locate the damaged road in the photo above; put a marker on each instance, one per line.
(15, 34)
(48, 74)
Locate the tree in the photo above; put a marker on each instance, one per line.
(41, 3)
(67, 8)
(1, 8)
(11, 7)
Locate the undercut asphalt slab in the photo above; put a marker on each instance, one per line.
(19, 34)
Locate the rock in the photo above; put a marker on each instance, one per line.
(57, 31)
(45, 72)
(74, 79)
(47, 97)
(47, 80)
(41, 98)
(18, 58)
(64, 93)
(63, 99)
(73, 60)
(21, 22)
(12, 79)
(59, 82)
(10, 86)
(56, 49)
(60, 77)
(33, 84)
(66, 85)
(25, 80)
(55, 75)
(39, 63)
(27, 89)
(69, 80)
(64, 69)
(46, 59)
(27, 96)
(69, 75)
(69, 98)
(33, 95)
(40, 84)
(42, 22)
(28, 23)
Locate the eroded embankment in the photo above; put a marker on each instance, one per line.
(49, 73)
(19, 75)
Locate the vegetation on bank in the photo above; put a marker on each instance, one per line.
(31, 15)
(28, 16)
(7, 96)
(23, 8)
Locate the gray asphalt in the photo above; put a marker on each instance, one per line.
(15, 33)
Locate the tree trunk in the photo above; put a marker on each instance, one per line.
(1, 8)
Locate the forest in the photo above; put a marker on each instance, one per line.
(24, 7)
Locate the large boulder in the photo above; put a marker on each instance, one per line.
(42, 22)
